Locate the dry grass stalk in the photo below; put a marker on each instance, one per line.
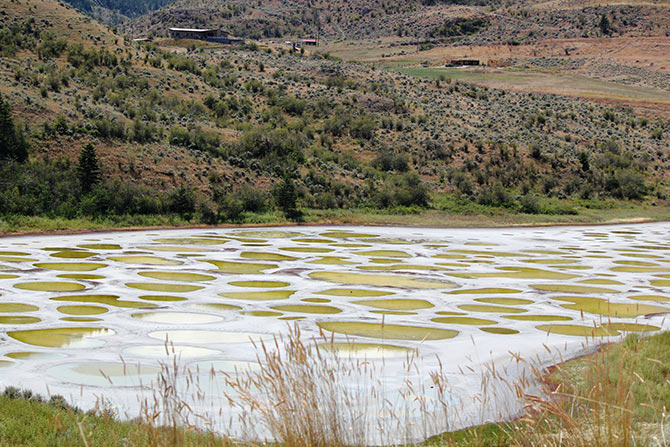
(169, 417)
(598, 412)
(306, 397)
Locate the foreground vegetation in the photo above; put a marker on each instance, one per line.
(447, 211)
(616, 397)
(30, 420)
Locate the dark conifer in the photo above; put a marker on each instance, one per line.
(88, 168)
(13, 145)
(286, 197)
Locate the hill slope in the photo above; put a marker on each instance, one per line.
(113, 12)
(468, 21)
(219, 122)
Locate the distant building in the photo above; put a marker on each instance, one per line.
(461, 62)
(499, 63)
(209, 35)
(313, 42)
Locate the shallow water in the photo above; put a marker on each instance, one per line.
(50, 286)
(70, 266)
(397, 304)
(73, 307)
(387, 331)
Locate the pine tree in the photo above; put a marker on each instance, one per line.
(13, 145)
(604, 25)
(286, 197)
(88, 168)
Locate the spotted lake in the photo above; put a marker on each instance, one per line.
(88, 316)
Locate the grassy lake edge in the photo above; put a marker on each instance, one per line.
(448, 213)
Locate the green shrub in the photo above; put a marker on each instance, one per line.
(338, 124)
(50, 46)
(405, 190)
(121, 198)
(252, 200)
(388, 160)
(459, 27)
(292, 105)
(37, 188)
(87, 58)
(626, 184)
(363, 127)
(254, 86)
(205, 141)
(182, 63)
(529, 204)
(109, 129)
(181, 201)
(266, 142)
(230, 208)
(496, 195)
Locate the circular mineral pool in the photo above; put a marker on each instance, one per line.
(177, 317)
(105, 374)
(203, 337)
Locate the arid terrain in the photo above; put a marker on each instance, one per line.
(556, 124)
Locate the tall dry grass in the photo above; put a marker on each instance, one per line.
(305, 394)
(608, 399)
(169, 418)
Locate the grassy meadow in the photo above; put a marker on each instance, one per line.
(544, 81)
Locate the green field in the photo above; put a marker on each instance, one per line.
(544, 82)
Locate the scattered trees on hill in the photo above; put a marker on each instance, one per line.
(350, 142)
(460, 27)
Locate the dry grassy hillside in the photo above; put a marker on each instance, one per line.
(495, 22)
(166, 114)
(59, 18)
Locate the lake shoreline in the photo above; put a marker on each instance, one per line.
(327, 223)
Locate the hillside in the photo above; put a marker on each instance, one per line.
(462, 21)
(113, 12)
(189, 127)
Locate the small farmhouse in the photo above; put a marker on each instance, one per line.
(313, 42)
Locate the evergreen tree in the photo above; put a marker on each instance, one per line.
(286, 197)
(13, 145)
(604, 25)
(88, 168)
